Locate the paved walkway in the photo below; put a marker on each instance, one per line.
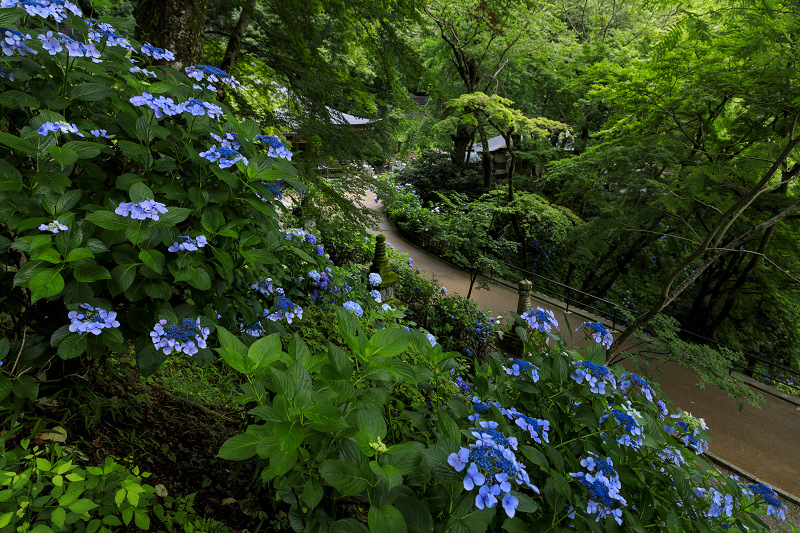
(764, 442)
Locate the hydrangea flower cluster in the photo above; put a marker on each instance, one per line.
(461, 383)
(294, 232)
(286, 310)
(774, 506)
(160, 105)
(485, 329)
(100, 133)
(54, 226)
(603, 486)
(431, 339)
(91, 320)
(225, 157)
(14, 40)
(720, 503)
(187, 337)
(592, 373)
(44, 8)
(189, 244)
(263, 286)
(354, 308)
(134, 69)
(537, 427)
(492, 467)
(199, 108)
(540, 320)
(627, 380)
(687, 428)
(63, 127)
(671, 454)
(514, 366)
(141, 210)
(627, 421)
(104, 30)
(5, 73)
(599, 333)
(228, 140)
(375, 279)
(157, 53)
(375, 295)
(212, 74)
(276, 147)
(54, 44)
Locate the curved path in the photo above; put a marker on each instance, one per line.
(764, 441)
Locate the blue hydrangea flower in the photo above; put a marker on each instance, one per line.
(514, 366)
(627, 380)
(14, 41)
(540, 319)
(5, 73)
(141, 210)
(189, 244)
(91, 320)
(144, 71)
(431, 338)
(599, 333)
(212, 74)
(354, 308)
(320, 250)
(444, 290)
(410, 263)
(57, 9)
(63, 127)
(99, 133)
(187, 337)
(199, 108)
(160, 105)
(157, 53)
(603, 487)
(626, 420)
(375, 295)
(276, 147)
(227, 140)
(774, 506)
(538, 428)
(54, 226)
(375, 279)
(103, 32)
(286, 309)
(263, 286)
(225, 157)
(594, 375)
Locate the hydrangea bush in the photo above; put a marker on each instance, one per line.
(134, 208)
(549, 439)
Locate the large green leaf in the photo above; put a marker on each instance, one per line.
(173, 216)
(10, 178)
(17, 143)
(45, 283)
(386, 519)
(88, 272)
(239, 447)
(387, 342)
(233, 351)
(63, 156)
(264, 352)
(90, 92)
(73, 345)
(107, 220)
(343, 476)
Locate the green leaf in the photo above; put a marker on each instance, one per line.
(386, 473)
(343, 476)
(8, 17)
(239, 447)
(140, 192)
(325, 417)
(17, 98)
(469, 517)
(25, 387)
(67, 201)
(254, 256)
(233, 351)
(386, 519)
(137, 233)
(10, 178)
(153, 259)
(596, 353)
(58, 516)
(388, 342)
(82, 505)
(372, 423)
(264, 352)
(89, 92)
(108, 220)
(73, 345)
(173, 216)
(77, 254)
(63, 156)
(17, 143)
(123, 275)
(45, 283)
(50, 255)
(88, 272)
(84, 149)
(282, 460)
(289, 435)
(5, 387)
(199, 279)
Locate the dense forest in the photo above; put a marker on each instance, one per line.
(189, 290)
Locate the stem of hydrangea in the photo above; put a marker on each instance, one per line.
(598, 432)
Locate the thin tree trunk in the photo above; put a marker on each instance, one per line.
(235, 41)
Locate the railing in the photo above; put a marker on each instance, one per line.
(616, 314)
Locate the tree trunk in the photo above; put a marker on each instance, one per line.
(176, 25)
(462, 138)
(232, 51)
(487, 159)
